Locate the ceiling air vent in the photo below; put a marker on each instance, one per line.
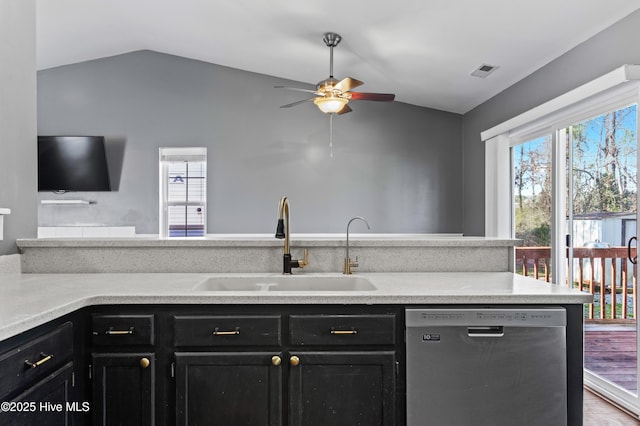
(483, 70)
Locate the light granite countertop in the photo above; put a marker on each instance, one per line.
(29, 300)
(268, 240)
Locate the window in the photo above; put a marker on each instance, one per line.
(183, 192)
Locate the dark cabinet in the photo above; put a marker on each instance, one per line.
(329, 370)
(123, 389)
(229, 378)
(123, 365)
(323, 388)
(122, 330)
(342, 330)
(342, 389)
(34, 359)
(227, 330)
(228, 388)
(338, 385)
(37, 376)
(245, 366)
(47, 403)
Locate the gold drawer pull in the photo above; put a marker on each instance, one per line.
(218, 332)
(144, 362)
(352, 331)
(112, 332)
(44, 359)
(294, 361)
(276, 360)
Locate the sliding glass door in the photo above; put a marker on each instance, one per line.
(602, 215)
(575, 206)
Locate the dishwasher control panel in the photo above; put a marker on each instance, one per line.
(549, 317)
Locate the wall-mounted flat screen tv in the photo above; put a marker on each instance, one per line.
(72, 163)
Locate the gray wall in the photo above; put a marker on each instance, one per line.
(17, 120)
(602, 53)
(396, 164)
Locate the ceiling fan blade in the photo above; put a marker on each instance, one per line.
(382, 97)
(347, 84)
(297, 89)
(296, 103)
(345, 109)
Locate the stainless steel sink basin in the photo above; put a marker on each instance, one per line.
(285, 283)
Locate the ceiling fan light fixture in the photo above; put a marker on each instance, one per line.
(333, 95)
(330, 104)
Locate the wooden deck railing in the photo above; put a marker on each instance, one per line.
(606, 273)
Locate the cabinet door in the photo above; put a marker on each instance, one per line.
(47, 403)
(123, 389)
(342, 389)
(228, 388)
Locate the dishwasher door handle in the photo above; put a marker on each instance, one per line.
(488, 331)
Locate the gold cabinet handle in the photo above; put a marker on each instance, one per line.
(294, 361)
(144, 362)
(218, 332)
(352, 331)
(38, 363)
(112, 332)
(276, 360)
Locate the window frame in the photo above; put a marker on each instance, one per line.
(175, 154)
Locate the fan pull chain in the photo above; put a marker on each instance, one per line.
(331, 135)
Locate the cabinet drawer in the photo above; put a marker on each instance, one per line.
(53, 389)
(35, 359)
(128, 330)
(342, 329)
(227, 330)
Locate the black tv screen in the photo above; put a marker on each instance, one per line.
(72, 163)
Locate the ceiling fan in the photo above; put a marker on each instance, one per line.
(333, 96)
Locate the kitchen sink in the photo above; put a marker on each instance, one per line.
(285, 283)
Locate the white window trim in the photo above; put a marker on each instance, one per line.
(497, 209)
(561, 104)
(620, 86)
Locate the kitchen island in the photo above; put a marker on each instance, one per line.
(158, 321)
(149, 317)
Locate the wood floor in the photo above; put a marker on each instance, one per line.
(598, 412)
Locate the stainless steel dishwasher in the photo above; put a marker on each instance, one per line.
(486, 367)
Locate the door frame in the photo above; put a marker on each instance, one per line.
(604, 94)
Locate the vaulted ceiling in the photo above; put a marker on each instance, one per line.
(421, 50)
